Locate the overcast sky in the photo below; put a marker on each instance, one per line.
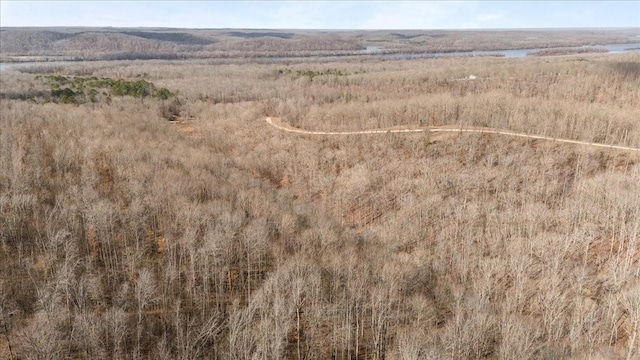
(323, 14)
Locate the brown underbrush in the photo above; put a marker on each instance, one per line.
(124, 235)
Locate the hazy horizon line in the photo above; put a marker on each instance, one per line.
(314, 29)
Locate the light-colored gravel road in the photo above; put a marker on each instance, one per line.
(453, 128)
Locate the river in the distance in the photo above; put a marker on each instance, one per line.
(515, 53)
(378, 53)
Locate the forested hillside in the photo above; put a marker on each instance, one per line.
(28, 44)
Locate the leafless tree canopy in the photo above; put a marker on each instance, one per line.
(215, 235)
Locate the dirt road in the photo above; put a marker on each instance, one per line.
(447, 128)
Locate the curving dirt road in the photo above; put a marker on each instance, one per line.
(447, 128)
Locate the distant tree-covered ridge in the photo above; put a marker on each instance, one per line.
(37, 44)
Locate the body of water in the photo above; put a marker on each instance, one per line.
(516, 53)
(376, 52)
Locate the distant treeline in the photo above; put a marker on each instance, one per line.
(138, 44)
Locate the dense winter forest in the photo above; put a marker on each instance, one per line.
(148, 210)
